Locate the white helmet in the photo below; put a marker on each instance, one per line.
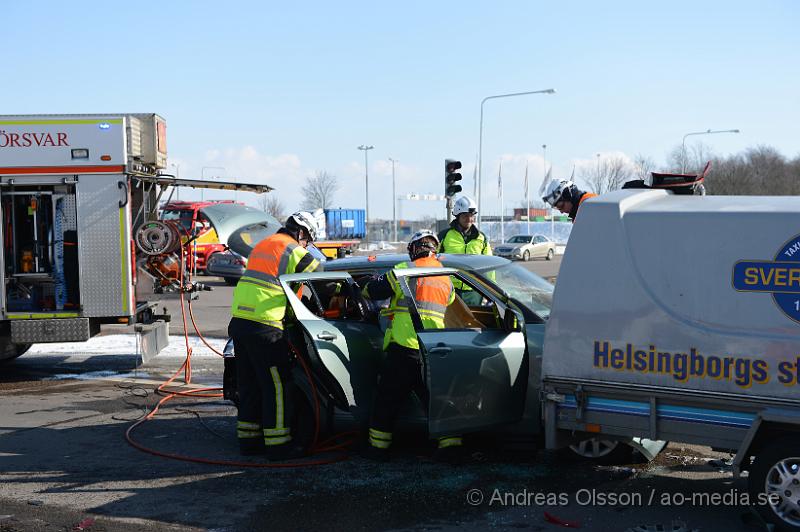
(464, 204)
(555, 189)
(416, 240)
(305, 220)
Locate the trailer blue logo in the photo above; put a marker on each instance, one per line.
(780, 277)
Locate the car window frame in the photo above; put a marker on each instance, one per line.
(496, 297)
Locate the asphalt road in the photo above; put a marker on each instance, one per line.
(65, 463)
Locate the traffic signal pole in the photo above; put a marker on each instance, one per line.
(451, 186)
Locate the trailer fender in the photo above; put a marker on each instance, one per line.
(769, 424)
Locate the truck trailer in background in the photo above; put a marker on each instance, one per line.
(340, 231)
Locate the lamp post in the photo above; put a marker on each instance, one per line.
(552, 215)
(394, 204)
(706, 132)
(480, 136)
(366, 149)
(203, 176)
(177, 176)
(597, 167)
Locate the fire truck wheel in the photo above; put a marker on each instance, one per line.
(9, 351)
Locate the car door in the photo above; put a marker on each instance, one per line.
(476, 367)
(344, 346)
(539, 248)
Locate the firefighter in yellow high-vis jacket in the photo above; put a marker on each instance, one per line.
(263, 370)
(402, 371)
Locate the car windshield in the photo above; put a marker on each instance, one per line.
(184, 217)
(519, 239)
(524, 286)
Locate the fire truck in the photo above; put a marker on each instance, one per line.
(82, 244)
(190, 216)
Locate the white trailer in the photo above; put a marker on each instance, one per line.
(678, 318)
(76, 192)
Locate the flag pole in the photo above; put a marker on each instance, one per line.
(527, 199)
(502, 206)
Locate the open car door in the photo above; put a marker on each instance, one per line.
(343, 343)
(477, 366)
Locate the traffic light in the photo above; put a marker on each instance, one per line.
(451, 177)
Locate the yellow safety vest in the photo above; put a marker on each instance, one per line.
(258, 296)
(454, 243)
(432, 296)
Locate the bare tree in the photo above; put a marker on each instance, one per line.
(643, 166)
(270, 204)
(691, 161)
(319, 190)
(729, 176)
(761, 170)
(610, 173)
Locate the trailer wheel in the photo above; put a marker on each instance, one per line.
(9, 351)
(598, 450)
(774, 483)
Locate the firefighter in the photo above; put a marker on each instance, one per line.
(464, 237)
(402, 372)
(263, 368)
(566, 197)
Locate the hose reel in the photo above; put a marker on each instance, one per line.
(158, 238)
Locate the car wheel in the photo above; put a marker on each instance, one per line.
(550, 254)
(231, 281)
(600, 451)
(9, 351)
(526, 255)
(774, 483)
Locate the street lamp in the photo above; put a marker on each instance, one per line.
(480, 136)
(706, 132)
(366, 149)
(394, 204)
(177, 176)
(597, 170)
(203, 176)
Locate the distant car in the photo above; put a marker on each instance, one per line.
(527, 247)
(230, 265)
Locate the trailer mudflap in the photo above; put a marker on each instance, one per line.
(153, 337)
(40, 331)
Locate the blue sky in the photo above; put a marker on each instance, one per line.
(274, 92)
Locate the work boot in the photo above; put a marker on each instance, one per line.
(285, 452)
(373, 453)
(454, 455)
(251, 447)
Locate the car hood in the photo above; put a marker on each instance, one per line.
(227, 218)
(244, 239)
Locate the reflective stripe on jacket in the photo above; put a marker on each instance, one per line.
(258, 296)
(432, 296)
